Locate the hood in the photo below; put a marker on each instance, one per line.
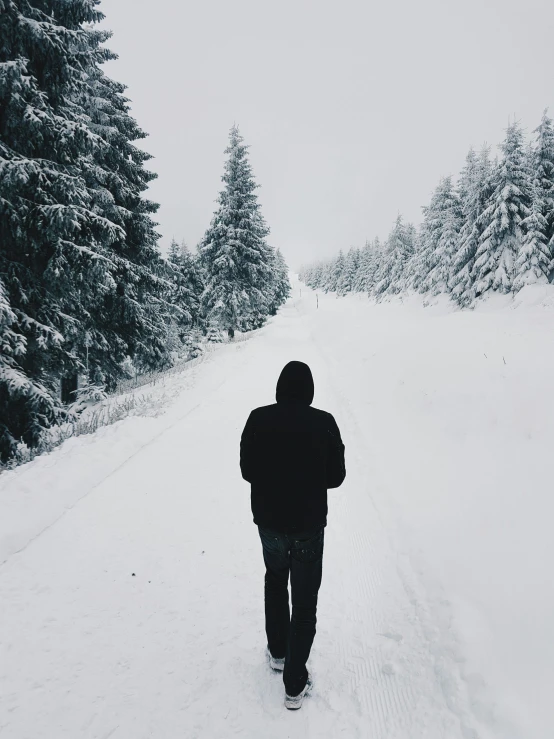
(295, 384)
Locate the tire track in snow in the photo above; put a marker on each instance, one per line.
(380, 699)
(410, 686)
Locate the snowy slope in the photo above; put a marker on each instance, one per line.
(435, 616)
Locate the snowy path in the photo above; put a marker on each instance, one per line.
(89, 649)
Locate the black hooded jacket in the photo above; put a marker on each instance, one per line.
(291, 454)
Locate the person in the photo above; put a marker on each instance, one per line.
(291, 453)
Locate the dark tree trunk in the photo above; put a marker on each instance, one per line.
(69, 389)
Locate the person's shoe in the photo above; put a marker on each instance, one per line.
(293, 702)
(275, 664)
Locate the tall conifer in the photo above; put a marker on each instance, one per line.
(78, 258)
(234, 252)
(399, 249)
(535, 260)
(475, 189)
(503, 219)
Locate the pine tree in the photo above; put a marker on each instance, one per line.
(535, 260)
(180, 296)
(545, 163)
(281, 283)
(399, 248)
(336, 270)
(234, 252)
(194, 280)
(365, 273)
(133, 314)
(26, 406)
(263, 285)
(378, 256)
(52, 243)
(421, 262)
(78, 252)
(475, 189)
(445, 235)
(502, 220)
(328, 278)
(188, 283)
(429, 268)
(174, 252)
(348, 274)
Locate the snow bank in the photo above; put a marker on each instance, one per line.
(34, 495)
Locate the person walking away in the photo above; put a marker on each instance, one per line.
(291, 454)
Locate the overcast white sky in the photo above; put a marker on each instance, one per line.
(353, 109)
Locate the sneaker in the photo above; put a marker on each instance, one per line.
(293, 702)
(275, 664)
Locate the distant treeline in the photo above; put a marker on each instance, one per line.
(492, 230)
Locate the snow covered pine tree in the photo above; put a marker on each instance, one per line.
(535, 260)
(241, 270)
(78, 256)
(503, 219)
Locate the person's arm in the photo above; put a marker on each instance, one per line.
(246, 449)
(336, 468)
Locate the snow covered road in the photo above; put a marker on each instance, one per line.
(136, 610)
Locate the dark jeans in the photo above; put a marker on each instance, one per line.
(302, 556)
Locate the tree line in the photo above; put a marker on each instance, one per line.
(86, 297)
(490, 231)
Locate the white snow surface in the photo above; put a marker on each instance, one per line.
(436, 610)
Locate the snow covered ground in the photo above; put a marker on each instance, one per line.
(131, 588)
